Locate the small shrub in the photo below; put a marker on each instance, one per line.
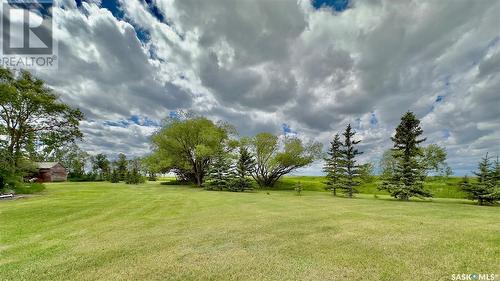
(176, 182)
(134, 177)
(239, 184)
(29, 188)
(115, 177)
(84, 178)
(152, 177)
(298, 189)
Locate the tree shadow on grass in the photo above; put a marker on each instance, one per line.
(435, 200)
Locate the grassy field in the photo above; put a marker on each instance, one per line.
(440, 188)
(103, 231)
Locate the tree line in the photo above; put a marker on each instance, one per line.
(36, 126)
(84, 167)
(210, 155)
(405, 166)
(34, 123)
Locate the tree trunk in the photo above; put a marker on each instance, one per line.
(198, 179)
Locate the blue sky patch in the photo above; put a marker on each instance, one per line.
(174, 115)
(134, 119)
(153, 9)
(114, 7)
(373, 119)
(119, 123)
(142, 34)
(144, 121)
(337, 5)
(287, 130)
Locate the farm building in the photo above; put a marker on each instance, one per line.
(51, 171)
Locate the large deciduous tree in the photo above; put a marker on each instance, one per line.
(407, 178)
(100, 166)
(153, 165)
(388, 164)
(366, 172)
(188, 146)
(434, 160)
(72, 157)
(277, 157)
(8, 176)
(32, 117)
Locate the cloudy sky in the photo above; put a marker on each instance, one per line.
(304, 67)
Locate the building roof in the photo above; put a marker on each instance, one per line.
(46, 165)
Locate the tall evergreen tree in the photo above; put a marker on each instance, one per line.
(407, 178)
(220, 172)
(333, 165)
(244, 167)
(484, 173)
(114, 177)
(121, 166)
(350, 168)
(486, 189)
(496, 172)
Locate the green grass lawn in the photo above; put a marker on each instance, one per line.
(440, 188)
(103, 231)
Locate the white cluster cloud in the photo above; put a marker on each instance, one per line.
(259, 64)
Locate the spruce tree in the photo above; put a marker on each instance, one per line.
(333, 165)
(244, 167)
(486, 189)
(496, 172)
(408, 176)
(121, 166)
(134, 177)
(349, 167)
(115, 177)
(220, 172)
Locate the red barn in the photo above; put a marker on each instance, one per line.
(51, 171)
